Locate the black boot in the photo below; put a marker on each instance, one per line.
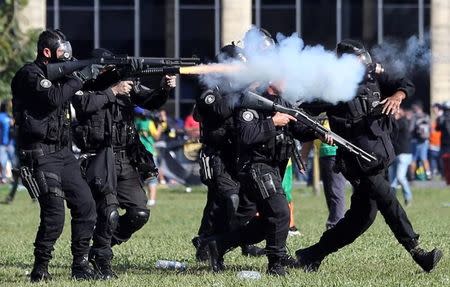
(288, 261)
(102, 266)
(40, 272)
(426, 260)
(307, 262)
(252, 250)
(216, 251)
(276, 266)
(201, 253)
(81, 270)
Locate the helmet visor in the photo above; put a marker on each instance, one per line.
(365, 58)
(66, 49)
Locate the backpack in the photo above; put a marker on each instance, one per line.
(422, 128)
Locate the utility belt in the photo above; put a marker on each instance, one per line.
(121, 154)
(35, 180)
(43, 148)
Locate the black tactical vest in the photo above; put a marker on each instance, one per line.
(360, 121)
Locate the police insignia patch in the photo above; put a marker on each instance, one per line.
(210, 99)
(79, 93)
(247, 116)
(45, 83)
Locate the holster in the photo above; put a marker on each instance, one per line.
(206, 171)
(266, 180)
(142, 160)
(34, 180)
(29, 182)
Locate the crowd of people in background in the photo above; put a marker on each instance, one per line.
(418, 144)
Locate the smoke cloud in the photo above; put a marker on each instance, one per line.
(403, 59)
(306, 73)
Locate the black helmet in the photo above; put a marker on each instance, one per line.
(54, 39)
(264, 39)
(101, 52)
(349, 46)
(230, 51)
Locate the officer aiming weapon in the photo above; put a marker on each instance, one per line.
(254, 101)
(149, 66)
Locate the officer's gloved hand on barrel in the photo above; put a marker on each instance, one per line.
(89, 72)
(136, 65)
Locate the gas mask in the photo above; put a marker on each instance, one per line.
(66, 49)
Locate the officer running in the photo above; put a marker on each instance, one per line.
(365, 121)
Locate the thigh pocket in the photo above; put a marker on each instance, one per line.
(48, 182)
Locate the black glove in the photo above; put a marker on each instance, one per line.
(89, 72)
(135, 65)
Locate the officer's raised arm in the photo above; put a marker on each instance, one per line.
(393, 91)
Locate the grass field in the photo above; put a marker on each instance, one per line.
(375, 259)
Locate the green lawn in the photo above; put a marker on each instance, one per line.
(375, 259)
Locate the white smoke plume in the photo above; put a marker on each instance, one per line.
(403, 59)
(307, 73)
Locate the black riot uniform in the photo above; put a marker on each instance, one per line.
(264, 151)
(115, 162)
(218, 161)
(42, 116)
(361, 122)
(226, 208)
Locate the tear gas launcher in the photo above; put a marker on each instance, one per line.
(254, 101)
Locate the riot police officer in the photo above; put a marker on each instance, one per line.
(42, 116)
(115, 159)
(224, 210)
(266, 142)
(365, 121)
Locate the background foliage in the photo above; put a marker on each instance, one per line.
(16, 46)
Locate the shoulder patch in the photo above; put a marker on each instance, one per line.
(209, 99)
(79, 93)
(248, 116)
(45, 83)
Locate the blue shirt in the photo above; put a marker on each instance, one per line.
(5, 122)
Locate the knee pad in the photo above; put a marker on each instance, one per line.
(112, 217)
(137, 218)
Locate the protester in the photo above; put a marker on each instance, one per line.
(420, 139)
(150, 130)
(434, 148)
(402, 147)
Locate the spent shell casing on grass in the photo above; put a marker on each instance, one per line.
(253, 275)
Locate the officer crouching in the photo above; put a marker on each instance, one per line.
(266, 142)
(49, 170)
(113, 158)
